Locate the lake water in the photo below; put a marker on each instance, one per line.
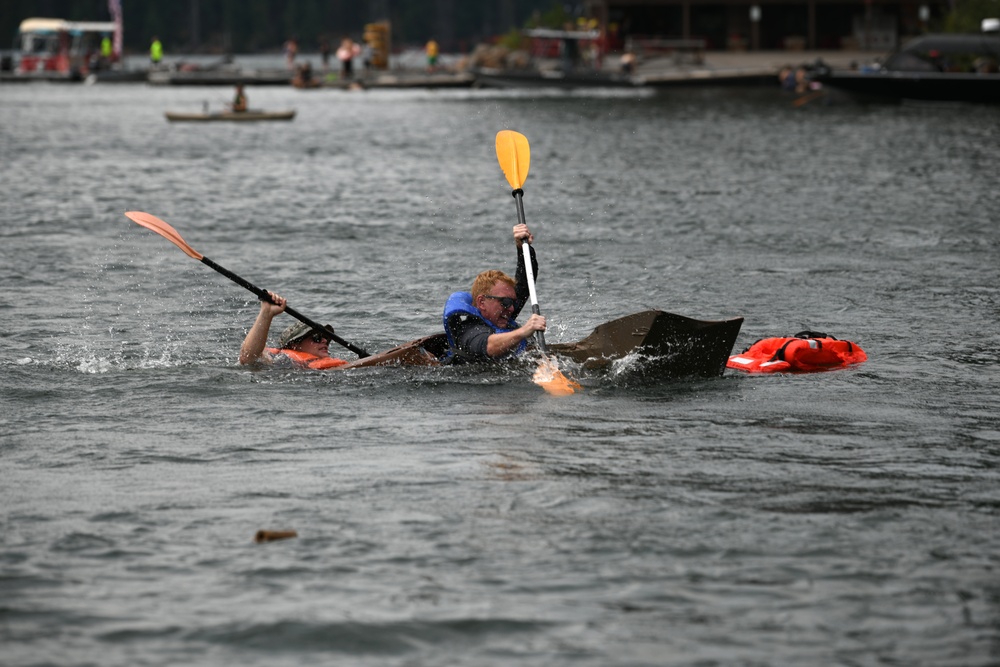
(461, 516)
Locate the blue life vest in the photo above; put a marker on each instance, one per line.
(461, 302)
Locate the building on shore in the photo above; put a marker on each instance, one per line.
(794, 25)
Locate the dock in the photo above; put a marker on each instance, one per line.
(229, 75)
(393, 79)
(711, 68)
(719, 68)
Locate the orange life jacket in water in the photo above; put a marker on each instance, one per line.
(307, 360)
(805, 352)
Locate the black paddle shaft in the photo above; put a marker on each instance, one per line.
(539, 335)
(264, 296)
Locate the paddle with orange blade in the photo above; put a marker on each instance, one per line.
(514, 156)
(153, 223)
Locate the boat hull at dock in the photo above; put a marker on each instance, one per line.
(224, 75)
(497, 78)
(935, 68)
(923, 86)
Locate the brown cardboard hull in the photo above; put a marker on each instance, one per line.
(665, 345)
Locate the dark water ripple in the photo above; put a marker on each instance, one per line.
(463, 517)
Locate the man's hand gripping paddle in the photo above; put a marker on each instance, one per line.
(514, 156)
(166, 231)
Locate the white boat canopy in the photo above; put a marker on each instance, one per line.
(37, 25)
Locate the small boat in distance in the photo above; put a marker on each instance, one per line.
(249, 115)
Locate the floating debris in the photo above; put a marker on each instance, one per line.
(273, 535)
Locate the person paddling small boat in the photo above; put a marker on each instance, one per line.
(237, 110)
(481, 324)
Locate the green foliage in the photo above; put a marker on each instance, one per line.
(555, 17)
(513, 40)
(968, 15)
(246, 26)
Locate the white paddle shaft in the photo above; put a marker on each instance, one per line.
(525, 248)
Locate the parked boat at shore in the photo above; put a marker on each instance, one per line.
(552, 78)
(53, 49)
(556, 59)
(384, 80)
(942, 67)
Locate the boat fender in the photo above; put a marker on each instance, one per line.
(805, 352)
(306, 360)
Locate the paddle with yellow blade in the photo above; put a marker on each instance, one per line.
(514, 156)
(153, 223)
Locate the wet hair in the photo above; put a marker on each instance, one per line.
(485, 281)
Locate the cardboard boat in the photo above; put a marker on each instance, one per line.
(666, 345)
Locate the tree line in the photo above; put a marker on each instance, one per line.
(249, 26)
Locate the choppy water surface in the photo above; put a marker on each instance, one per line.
(460, 517)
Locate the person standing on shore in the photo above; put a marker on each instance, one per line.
(324, 52)
(431, 49)
(239, 99)
(345, 54)
(291, 52)
(107, 51)
(627, 63)
(155, 51)
(366, 57)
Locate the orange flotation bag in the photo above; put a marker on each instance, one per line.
(307, 360)
(805, 352)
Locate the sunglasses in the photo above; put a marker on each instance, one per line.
(505, 301)
(317, 337)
